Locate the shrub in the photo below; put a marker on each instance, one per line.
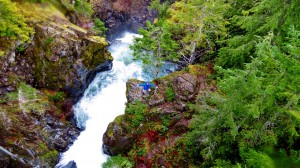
(99, 27)
(13, 23)
(117, 162)
(58, 96)
(170, 94)
(135, 113)
(83, 7)
(12, 96)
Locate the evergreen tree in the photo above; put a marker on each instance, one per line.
(251, 19)
(155, 47)
(197, 25)
(255, 114)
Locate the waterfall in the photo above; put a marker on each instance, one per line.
(102, 101)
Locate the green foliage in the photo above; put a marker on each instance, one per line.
(37, 1)
(258, 159)
(25, 91)
(3, 100)
(12, 22)
(170, 94)
(28, 92)
(155, 46)
(83, 7)
(12, 96)
(141, 152)
(21, 48)
(162, 8)
(250, 19)
(197, 25)
(58, 96)
(136, 112)
(48, 41)
(256, 108)
(165, 120)
(117, 162)
(99, 27)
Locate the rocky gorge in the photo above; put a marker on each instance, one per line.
(42, 79)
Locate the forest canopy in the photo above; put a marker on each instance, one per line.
(253, 120)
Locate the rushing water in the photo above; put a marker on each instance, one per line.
(104, 100)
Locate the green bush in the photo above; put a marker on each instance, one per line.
(28, 92)
(83, 7)
(135, 113)
(58, 96)
(12, 96)
(99, 27)
(13, 23)
(170, 94)
(138, 108)
(117, 162)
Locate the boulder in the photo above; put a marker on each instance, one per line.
(117, 139)
(61, 60)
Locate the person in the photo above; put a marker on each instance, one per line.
(147, 86)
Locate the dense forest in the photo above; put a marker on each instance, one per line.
(253, 118)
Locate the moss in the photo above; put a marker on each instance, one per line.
(98, 39)
(119, 119)
(51, 157)
(170, 94)
(95, 54)
(13, 96)
(117, 162)
(197, 69)
(76, 28)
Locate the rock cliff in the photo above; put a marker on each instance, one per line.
(120, 14)
(32, 131)
(150, 130)
(60, 61)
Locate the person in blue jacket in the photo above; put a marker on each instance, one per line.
(147, 86)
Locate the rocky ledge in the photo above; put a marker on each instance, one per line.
(32, 130)
(150, 130)
(60, 55)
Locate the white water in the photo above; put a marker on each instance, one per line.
(103, 100)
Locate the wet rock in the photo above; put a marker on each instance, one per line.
(29, 131)
(185, 86)
(67, 107)
(156, 99)
(61, 58)
(117, 139)
(123, 14)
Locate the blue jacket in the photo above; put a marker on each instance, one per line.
(147, 85)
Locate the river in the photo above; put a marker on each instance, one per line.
(102, 101)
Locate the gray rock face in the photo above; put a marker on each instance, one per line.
(117, 140)
(30, 130)
(121, 14)
(185, 86)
